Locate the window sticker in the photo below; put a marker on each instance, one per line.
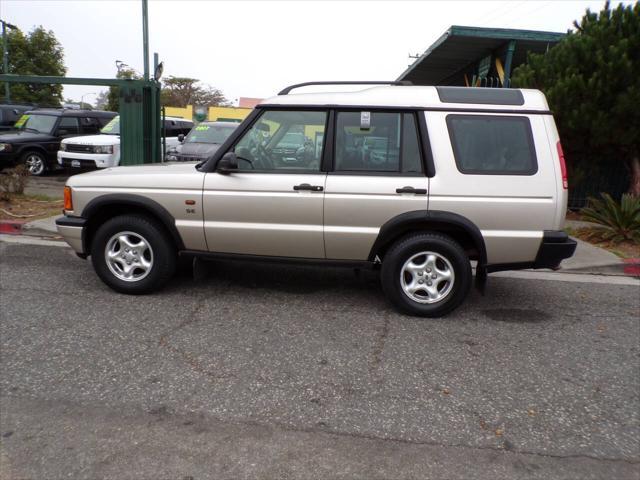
(109, 126)
(365, 120)
(21, 121)
(202, 128)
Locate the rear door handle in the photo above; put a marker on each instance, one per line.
(306, 186)
(417, 191)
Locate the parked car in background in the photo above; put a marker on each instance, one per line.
(103, 150)
(36, 136)
(454, 175)
(201, 142)
(10, 114)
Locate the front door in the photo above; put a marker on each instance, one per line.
(273, 204)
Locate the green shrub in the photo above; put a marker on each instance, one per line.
(616, 221)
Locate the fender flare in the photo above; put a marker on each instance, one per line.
(127, 199)
(29, 147)
(423, 219)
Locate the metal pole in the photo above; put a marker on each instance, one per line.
(5, 62)
(507, 63)
(145, 38)
(84, 95)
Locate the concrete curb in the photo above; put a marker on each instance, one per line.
(44, 227)
(587, 259)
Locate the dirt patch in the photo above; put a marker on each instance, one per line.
(626, 249)
(29, 207)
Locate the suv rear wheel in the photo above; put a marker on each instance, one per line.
(133, 254)
(426, 274)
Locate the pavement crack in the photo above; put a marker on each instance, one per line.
(373, 437)
(193, 362)
(378, 344)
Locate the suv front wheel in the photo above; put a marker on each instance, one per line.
(427, 275)
(35, 162)
(133, 254)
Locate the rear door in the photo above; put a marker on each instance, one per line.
(272, 205)
(377, 174)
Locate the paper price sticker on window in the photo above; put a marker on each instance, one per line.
(21, 121)
(201, 128)
(365, 120)
(109, 126)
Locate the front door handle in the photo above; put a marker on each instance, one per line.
(306, 186)
(417, 191)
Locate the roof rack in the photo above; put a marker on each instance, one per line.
(367, 82)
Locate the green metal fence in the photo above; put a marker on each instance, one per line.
(139, 113)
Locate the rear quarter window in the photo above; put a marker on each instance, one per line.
(492, 144)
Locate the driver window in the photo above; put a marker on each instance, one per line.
(283, 140)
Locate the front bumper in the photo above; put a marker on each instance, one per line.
(85, 160)
(8, 159)
(72, 229)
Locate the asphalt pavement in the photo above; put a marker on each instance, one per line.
(263, 371)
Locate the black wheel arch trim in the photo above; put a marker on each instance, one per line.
(407, 221)
(127, 199)
(31, 147)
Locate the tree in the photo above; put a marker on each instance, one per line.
(183, 91)
(37, 53)
(592, 82)
(113, 97)
(102, 99)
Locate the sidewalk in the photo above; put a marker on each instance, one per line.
(587, 258)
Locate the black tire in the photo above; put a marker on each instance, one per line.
(162, 253)
(453, 293)
(35, 161)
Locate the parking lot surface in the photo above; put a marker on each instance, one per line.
(269, 371)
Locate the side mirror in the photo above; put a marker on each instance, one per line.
(62, 131)
(228, 163)
(181, 137)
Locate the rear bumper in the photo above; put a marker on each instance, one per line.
(72, 229)
(555, 247)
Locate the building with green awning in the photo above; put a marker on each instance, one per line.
(475, 56)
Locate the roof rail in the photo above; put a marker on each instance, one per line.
(367, 82)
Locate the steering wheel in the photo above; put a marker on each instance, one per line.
(263, 157)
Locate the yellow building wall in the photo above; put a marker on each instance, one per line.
(230, 113)
(214, 113)
(186, 112)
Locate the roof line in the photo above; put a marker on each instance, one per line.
(483, 32)
(427, 52)
(506, 33)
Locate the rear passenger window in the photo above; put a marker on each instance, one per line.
(377, 142)
(492, 145)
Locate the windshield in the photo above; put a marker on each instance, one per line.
(113, 127)
(36, 123)
(204, 133)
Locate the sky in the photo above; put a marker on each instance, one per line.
(256, 48)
